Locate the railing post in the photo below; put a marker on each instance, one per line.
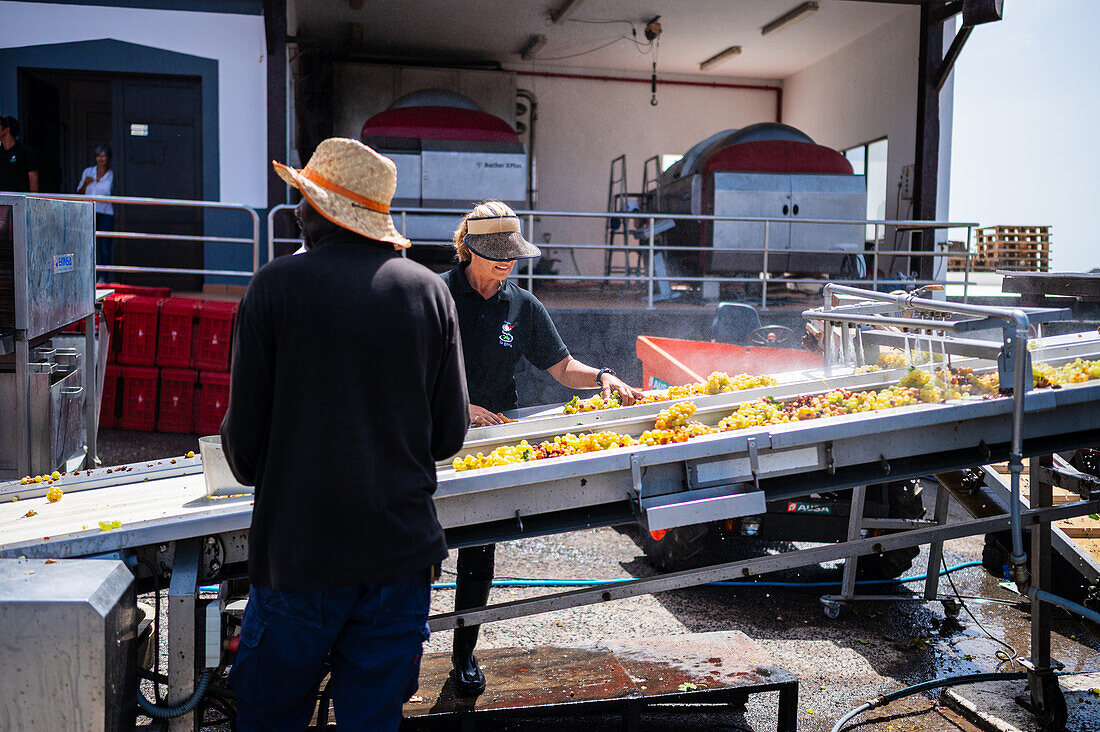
(255, 240)
(271, 232)
(652, 224)
(404, 228)
(874, 266)
(966, 267)
(764, 283)
(530, 262)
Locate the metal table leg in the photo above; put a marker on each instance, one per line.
(788, 708)
(1047, 701)
(855, 525)
(182, 594)
(935, 549)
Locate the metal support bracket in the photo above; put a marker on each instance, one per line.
(1086, 486)
(754, 462)
(635, 495)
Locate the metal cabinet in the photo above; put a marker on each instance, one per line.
(840, 197)
(751, 194)
(47, 282)
(787, 198)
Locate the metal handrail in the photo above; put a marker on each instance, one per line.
(650, 247)
(144, 201)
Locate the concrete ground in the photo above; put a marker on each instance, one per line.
(872, 648)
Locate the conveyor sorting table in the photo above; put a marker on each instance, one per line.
(168, 523)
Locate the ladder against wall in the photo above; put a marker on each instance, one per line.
(622, 257)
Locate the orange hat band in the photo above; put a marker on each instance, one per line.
(314, 177)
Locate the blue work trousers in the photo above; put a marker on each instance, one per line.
(375, 633)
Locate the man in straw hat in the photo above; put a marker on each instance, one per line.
(347, 386)
(500, 323)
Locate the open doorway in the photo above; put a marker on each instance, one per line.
(153, 124)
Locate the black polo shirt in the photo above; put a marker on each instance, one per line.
(15, 163)
(496, 333)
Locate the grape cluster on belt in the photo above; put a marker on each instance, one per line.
(1043, 374)
(675, 423)
(718, 382)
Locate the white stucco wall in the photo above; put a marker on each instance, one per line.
(866, 91)
(236, 42)
(863, 92)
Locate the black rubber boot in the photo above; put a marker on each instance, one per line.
(469, 680)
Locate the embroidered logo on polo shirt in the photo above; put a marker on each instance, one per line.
(506, 337)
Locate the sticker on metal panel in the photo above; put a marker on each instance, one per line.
(808, 507)
(62, 263)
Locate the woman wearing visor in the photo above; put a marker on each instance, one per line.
(499, 323)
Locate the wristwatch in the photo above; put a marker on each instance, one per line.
(600, 373)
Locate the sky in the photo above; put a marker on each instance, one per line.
(1024, 147)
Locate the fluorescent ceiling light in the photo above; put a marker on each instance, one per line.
(790, 18)
(720, 57)
(562, 14)
(532, 46)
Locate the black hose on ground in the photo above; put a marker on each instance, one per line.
(925, 686)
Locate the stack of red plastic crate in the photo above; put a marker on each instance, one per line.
(168, 365)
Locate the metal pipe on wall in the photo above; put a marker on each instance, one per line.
(532, 178)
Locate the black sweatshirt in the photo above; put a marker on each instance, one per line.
(347, 386)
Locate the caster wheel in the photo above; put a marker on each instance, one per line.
(1053, 714)
(832, 609)
(952, 608)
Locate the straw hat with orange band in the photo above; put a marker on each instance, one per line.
(350, 185)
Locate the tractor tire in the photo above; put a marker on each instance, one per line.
(684, 547)
(906, 502)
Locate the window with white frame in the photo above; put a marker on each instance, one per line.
(869, 160)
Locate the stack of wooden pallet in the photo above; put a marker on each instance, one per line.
(1014, 248)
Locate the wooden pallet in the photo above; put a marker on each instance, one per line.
(1083, 530)
(1015, 248)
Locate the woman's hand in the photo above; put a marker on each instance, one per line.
(87, 180)
(627, 392)
(482, 417)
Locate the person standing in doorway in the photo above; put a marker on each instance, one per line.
(347, 386)
(97, 181)
(18, 163)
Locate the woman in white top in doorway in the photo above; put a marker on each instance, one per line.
(97, 181)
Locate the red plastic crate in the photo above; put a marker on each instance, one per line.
(77, 328)
(214, 335)
(143, 290)
(175, 332)
(112, 316)
(139, 398)
(108, 400)
(139, 330)
(177, 400)
(212, 402)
